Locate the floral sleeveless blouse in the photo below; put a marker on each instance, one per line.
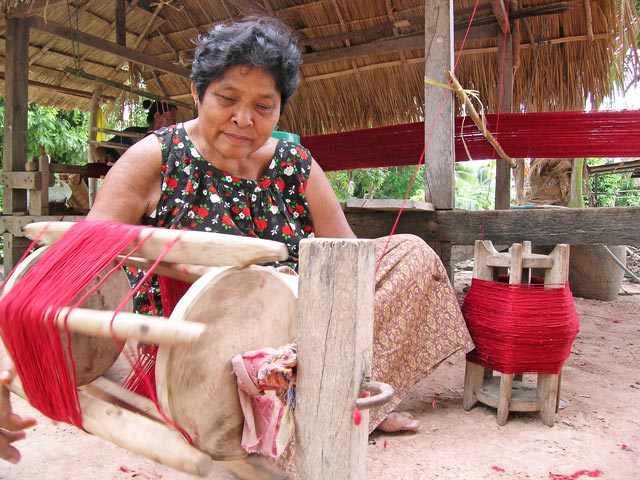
(195, 195)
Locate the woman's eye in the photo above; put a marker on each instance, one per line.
(225, 99)
(265, 108)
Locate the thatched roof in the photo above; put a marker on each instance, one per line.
(364, 59)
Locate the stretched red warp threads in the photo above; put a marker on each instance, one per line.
(520, 328)
(28, 312)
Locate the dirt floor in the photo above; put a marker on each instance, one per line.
(596, 434)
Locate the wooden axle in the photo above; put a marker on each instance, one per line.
(194, 248)
(131, 326)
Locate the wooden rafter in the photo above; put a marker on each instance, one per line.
(106, 46)
(501, 15)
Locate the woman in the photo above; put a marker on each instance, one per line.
(223, 172)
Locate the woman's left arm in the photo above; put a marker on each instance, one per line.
(327, 216)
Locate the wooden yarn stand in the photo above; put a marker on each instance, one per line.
(233, 308)
(507, 392)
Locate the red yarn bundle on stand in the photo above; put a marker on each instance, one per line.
(520, 328)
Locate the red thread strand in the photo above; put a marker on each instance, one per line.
(520, 328)
(28, 312)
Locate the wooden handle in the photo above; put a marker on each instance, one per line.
(132, 326)
(137, 434)
(195, 248)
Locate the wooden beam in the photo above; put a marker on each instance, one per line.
(120, 86)
(64, 90)
(504, 65)
(382, 47)
(121, 22)
(34, 7)
(501, 15)
(98, 43)
(15, 120)
(542, 226)
(439, 105)
(589, 19)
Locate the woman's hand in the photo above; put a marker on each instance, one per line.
(11, 425)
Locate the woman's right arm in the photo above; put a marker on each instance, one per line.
(131, 189)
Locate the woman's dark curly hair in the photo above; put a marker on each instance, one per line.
(261, 42)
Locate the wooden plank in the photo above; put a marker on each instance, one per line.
(15, 119)
(388, 204)
(335, 335)
(21, 180)
(505, 63)
(98, 43)
(540, 226)
(439, 105)
(64, 168)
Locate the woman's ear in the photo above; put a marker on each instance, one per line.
(194, 94)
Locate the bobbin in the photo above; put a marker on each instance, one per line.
(507, 392)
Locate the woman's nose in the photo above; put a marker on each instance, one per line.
(242, 117)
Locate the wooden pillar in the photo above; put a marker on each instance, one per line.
(439, 115)
(335, 335)
(505, 65)
(439, 105)
(93, 123)
(15, 128)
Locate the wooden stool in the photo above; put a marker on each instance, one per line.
(507, 392)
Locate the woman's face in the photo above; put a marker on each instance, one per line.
(239, 111)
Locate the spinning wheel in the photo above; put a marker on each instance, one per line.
(227, 311)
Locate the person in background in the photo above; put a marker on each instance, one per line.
(159, 114)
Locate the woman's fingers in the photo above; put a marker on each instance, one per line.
(8, 451)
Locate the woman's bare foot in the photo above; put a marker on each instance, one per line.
(399, 422)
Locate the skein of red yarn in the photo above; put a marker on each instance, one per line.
(524, 328)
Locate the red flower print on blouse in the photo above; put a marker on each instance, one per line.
(286, 229)
(189, 187)
(201, 211)
(226, 220)
(260, 223)
(280, 184)
(302, 153)
(172, 183)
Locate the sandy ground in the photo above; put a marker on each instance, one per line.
(597, 434)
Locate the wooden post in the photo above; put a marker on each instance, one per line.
(39, 198)
(439, 105)
(93, 123)
(15, 127)
(335, 334)
(503, 171)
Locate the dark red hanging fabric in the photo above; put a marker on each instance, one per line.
(530, 135)
(520, 328)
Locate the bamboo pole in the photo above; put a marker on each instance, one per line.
(477, 120)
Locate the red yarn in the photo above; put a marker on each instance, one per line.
(28, 312)
(520, 328)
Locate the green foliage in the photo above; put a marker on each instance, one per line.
(474, 184)
(613, 190)
(388, 182)
(63, 134)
